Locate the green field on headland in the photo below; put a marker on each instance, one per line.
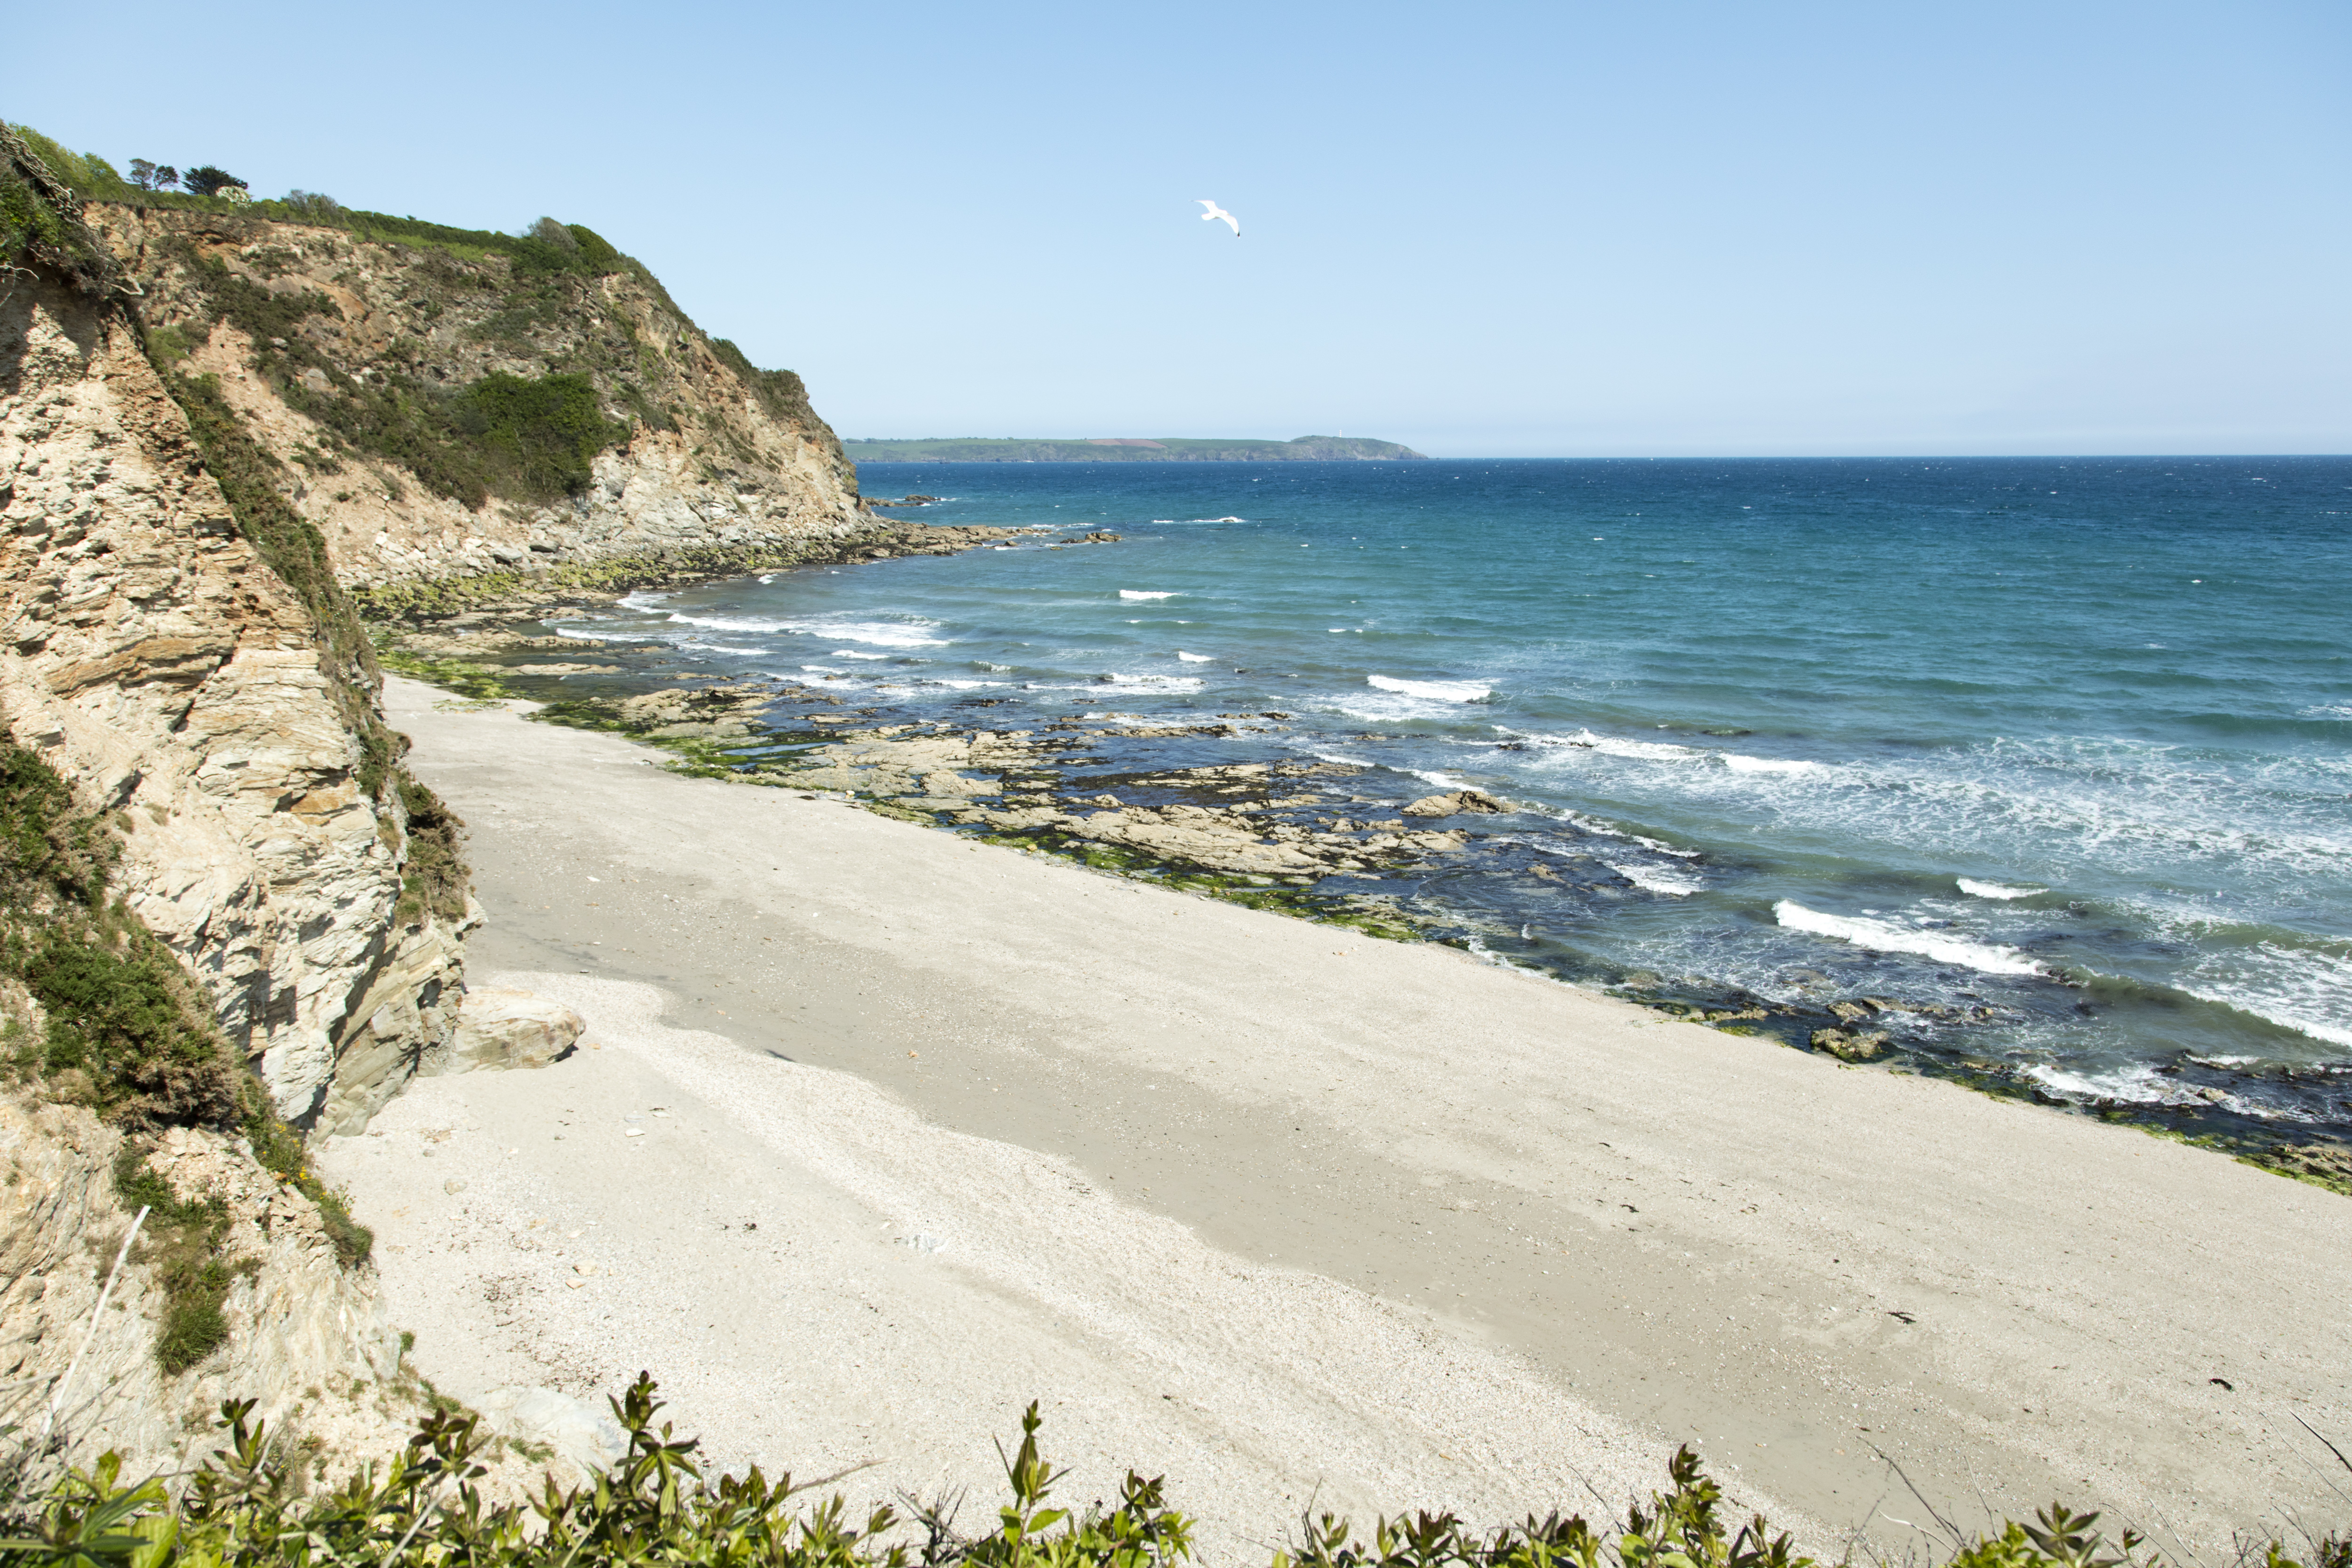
(1130, 449)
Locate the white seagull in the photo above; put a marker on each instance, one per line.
(1217, 213)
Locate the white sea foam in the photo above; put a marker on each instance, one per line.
(2328, 710)
(1594, 825)
(1120, 684)
(880, 634)
(1672, 880)
(1881, 936)
(1195, 657)
(1435, 690)
(1743, 764)
(853, 653)
(1647, 750)
(994, 668)
(2074, 805)
(728, 623)
(2136, 1085)
(1484, 954)
(1147, 593)
(2002, 891)
(1664, 752)
(2296, 988)
(593, 635)
(967, 685)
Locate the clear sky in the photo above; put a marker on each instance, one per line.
(1718, 227)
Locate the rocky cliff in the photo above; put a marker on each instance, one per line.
(442, 402)
(217, 424)
(177, 681)
(228, 918)
(303, 1334)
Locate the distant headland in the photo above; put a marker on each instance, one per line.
(1130, 449)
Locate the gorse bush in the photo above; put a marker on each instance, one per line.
(436, 878)
(40, 215)
(544, 433)
(654, 1507)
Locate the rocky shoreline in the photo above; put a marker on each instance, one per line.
(420, 603)
(1216, 806)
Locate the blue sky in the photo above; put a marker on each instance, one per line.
(1484, 229)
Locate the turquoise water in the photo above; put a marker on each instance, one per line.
(2059, 751)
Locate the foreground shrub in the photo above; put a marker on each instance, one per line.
(655, 1507)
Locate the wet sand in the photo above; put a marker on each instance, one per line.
(1645, 1232)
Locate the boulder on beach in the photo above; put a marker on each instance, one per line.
(510, 1030)
(1467, 800)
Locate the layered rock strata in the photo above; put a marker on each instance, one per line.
(156, 662)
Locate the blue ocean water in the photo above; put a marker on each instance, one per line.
(2058, 753)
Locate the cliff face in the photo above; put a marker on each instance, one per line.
(174, 679)
(306, 1337)
(439, 408)
(213, 424)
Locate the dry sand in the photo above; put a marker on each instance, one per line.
(1283, 1211)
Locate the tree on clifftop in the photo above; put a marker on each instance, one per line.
(208, 181)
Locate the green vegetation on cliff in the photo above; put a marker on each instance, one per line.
(527, 438)
(120, 1029)
(115, 1021)
(1163, 449)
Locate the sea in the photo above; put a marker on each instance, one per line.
(2057, 753)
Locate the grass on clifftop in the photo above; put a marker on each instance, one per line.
(655, 1506)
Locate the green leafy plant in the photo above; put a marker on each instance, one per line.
(654, 1506)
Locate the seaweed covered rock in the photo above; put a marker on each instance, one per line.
(1460, 802)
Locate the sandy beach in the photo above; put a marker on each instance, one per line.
(1285, 1212)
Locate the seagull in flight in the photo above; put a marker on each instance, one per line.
(1219, 215)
